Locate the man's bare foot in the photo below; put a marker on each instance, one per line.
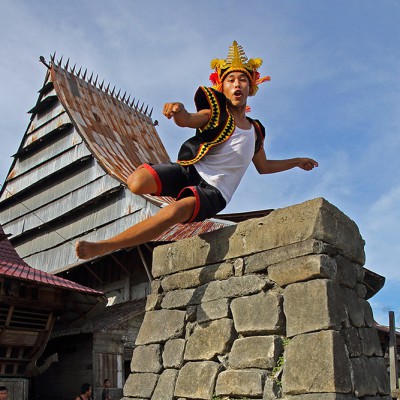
(86, 250)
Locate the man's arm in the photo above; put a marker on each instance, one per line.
(265, 166)
(185, 119)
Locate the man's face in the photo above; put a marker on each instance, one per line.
(236, 88)
(3, 395)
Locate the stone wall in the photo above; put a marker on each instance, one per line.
(271, 308)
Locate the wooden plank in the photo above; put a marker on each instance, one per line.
(394, 371)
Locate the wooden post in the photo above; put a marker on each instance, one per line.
(394, 374)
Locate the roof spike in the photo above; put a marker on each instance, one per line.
(137, 104)
(145, 111)
(79, 72)
(43, 61)
(151, 112)
(127, 100)
(95, 81)
(66, 65)
(60, 61)
(90, 79)
(141, 108)
(112, 92)
(101, 85)
(117, 95)
(108, 87)
(73, 69)
(84, 74)
(123, 97)
(53, 57)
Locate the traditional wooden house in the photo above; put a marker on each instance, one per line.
(32, 303)
(68, 182)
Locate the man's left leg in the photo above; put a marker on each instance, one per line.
(177, 212)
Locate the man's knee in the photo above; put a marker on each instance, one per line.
(141, 182)
(133, 182)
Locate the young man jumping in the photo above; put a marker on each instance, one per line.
(211, 164)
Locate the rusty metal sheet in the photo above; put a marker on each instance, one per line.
(11, 265)
(120, 136)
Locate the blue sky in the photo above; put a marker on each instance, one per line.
(334, 93)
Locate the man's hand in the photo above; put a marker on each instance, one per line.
(183, 118)
(307, 164)
(171, 109)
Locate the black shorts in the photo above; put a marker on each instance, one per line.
(176, 181)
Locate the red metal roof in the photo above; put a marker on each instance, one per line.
(12, 265)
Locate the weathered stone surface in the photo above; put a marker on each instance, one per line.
(303, 269)
(237, 286)
(173, 353)
(314, 219)
(370, 343)
(255, 352)
(316, 363)
(261, 261)
(196, 380)
(271, 390)
(348, 273)
(258, 314)
(322, 396)
(209, 340)
(368, 315)
(140, 385)
(353, 306)
(212, 310)
(165, 385)
(197, 277)
(353, 342)
(153, 302)
(369, 376)
(178, 299)
(156, 286)
(146, 359)
(160, 326)
(361, 290)
(312, 306)
(238, 267)
(239, 383)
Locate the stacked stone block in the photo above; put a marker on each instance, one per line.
(271, 308)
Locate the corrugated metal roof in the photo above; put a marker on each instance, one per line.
(12, 266)
(120, 136)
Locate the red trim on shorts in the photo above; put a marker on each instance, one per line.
(155, 176)
(196, 196)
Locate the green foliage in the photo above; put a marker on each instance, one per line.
(277, 370)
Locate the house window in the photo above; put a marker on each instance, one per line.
(109, 367)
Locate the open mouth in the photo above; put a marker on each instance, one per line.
(237, 93)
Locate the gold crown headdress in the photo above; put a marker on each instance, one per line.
(237, 61)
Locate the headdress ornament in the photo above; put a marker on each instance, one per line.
(237, 61)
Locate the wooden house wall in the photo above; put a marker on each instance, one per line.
(57, 192)
(18, 388)
(63, 380)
